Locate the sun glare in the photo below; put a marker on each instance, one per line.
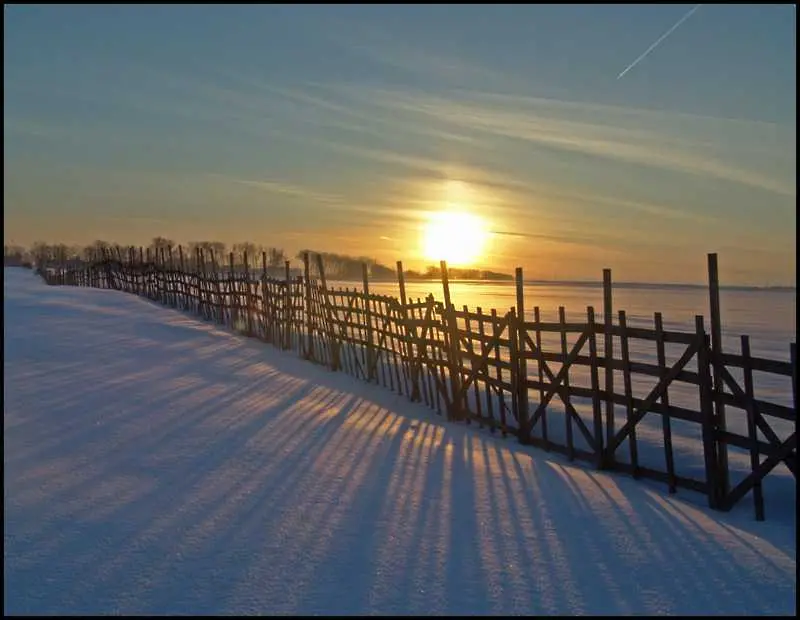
(457, 237)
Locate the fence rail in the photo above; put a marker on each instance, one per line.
(501, 370)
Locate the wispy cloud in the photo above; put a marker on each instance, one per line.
(285, 189)
(380, 45)
(559, 131)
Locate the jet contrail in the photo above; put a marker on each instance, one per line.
(659, 40)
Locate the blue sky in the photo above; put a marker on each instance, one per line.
(339, 127)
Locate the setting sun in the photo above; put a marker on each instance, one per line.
(459, 238)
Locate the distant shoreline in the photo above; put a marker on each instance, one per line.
(597, 284)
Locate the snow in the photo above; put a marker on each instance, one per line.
(157, 464)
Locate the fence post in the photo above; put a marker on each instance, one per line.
(332, 348)
(248, 295)
(219, 306)
(234, 314)
(793, 357)
(309, 353)
(410, 336)
(371, 366)
(161, 276)
(451, 336)
(107, 261)
(608, 354)
(142, 272)
(173, 288)
(183, 276)
(132, 270)
(752, 432)
(149, 263)
(213, 277)
(521, 387)
(716, 359)
(287, 307)
(597, 413)
(710, 457)
(262, 300)
(202, 285)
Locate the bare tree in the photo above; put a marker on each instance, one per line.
(219, 249)
(276, 257)
(42, 253)
(343, 267)
(94, 251)
(245, 248)
(207, 247)
(161, 243)
(15, 255)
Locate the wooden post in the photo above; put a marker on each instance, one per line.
(513, 343)
(234, 315)
(628, 385)
(537, 318)
(716, 359)
(202, 284)
(173, 289)
(475, 365)
(410, 336)
(597, 413)
(309, 353)
(183, 288)
(451, 335)
(248, 296)
(666, 424)
(212, 273)
(521, 388)
(143, 271)
(793, 357)
(107, 264)
(562, 320)
(162, 277)
(707, 412)
(287, 307)
(487, 392)
(608, 353)
(215, 307)
(153, 260)
(370, 353)
(752, 433)
(332, 349)
(219, 307)
(132, 270)
(264, 301)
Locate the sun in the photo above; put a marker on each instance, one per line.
(454, 236)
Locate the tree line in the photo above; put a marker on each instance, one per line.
(42, 252)
(336, 266)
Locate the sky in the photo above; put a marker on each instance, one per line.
(345, 128)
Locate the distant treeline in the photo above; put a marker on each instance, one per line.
(344, 267)
(336, 266)
(454, 273)
(16, 256)
(41, 252)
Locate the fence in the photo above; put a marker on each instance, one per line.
(483, 368)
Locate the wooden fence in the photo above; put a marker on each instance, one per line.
(504, 370)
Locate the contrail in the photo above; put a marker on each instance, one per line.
(659, 40)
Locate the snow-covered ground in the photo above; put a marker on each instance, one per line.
(156, 464)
